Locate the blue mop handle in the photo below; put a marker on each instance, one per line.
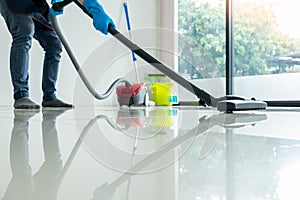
(128, 26)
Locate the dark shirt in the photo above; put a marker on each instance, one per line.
(37, 9)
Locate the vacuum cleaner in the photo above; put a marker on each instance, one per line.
(227, 103)
(128, 93)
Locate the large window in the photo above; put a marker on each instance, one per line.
(266, 45)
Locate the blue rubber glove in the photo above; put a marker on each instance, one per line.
(101, 20)
(53, 12)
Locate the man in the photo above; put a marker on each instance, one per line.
(28, 19)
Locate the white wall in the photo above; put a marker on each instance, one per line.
(104, 55)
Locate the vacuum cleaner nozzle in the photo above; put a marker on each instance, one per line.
(240, 105)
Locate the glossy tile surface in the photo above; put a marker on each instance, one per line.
(154, 153)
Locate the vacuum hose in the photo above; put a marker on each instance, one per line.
(78, 68)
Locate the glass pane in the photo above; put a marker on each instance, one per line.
(266, 49)
(201, 25)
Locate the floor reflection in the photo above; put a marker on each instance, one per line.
(44, 183)
(162, 153)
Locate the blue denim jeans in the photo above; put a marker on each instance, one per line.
(23, 29)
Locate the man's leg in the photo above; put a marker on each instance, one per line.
(22, 30)
(51, 44)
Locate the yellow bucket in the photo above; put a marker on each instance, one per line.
(162, 93)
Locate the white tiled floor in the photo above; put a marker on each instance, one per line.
(158, 153)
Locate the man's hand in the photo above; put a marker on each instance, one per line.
(101, 20)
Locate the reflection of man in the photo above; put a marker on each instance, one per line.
(44, 184)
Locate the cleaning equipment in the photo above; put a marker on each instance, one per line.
(136, 94)
(162, 90)
(128, 93)
(162, 93)
(227, 103)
